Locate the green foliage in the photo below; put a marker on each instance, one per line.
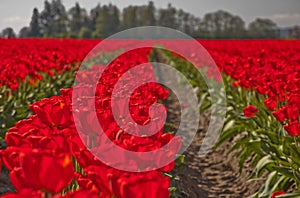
(133, 16)
(263, 28)
(129, 16)
(53, 19)
(8, 33)
(14, 104)
(84, 33)
(261, 140)
(78, 22)
(105, 20)
(192, 75)
(274, 154)
(34, 27)
(222, 24)
(167, 17)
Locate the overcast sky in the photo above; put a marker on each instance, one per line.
(17, 13)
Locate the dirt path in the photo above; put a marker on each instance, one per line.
(216, 174)
(5, 185)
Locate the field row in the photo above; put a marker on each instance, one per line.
(62, 143)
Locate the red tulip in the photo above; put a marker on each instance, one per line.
(250, 111)
(82, 194)
(275, 194)
(25, 193)
(293, 128)
(53, 112)
(42, 171)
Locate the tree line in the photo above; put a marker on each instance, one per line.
(104, 20)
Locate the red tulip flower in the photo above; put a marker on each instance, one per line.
(275, 194)
(250, 111)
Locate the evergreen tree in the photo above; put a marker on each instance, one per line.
(129, 17)
(167, 17)
(114, 19)
(54, 19)
(107, 22)
(150, 14)
(60, 19)
(77, 20)
(34, 26)
(101, 27)
(46, 19)
(146, 15)
(94, 13)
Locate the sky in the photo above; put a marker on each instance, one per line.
(17, 13)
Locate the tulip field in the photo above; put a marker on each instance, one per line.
(48, 136)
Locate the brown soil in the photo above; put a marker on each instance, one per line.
(5, 185)
(216, 174)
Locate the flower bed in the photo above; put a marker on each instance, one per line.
(50, 153)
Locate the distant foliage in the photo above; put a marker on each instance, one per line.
(104, 20)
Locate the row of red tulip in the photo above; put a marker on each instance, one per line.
(271, 68)
(47, 153)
